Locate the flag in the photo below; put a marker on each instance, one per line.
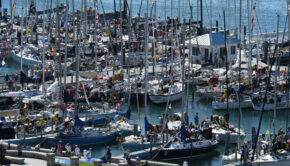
(63, 17)
(183, 133)
(13, 13)
(253, 17)
(128, 113)
(153, 2)
(3, 62)
(147, 124)
(32, 9)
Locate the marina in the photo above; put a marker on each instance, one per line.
(178, 82)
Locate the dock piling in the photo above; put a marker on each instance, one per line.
(97, 162)
(227, 144)
(50, 159)
(74, 161)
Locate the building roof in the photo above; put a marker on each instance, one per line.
(217, 40)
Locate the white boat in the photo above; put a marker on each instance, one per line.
(221, 103)
(220, 132)
(136, 143)
(28, 58)
(126, 128)
(208, 92)
(158, 96)
(282, 103)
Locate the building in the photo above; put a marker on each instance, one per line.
(210, 48)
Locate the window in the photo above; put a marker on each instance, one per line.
(223, 51)
(195, 51)
(206, 53)
(233, 49)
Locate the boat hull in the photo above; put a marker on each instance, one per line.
(85, 140)
(269, 107)
(233, 138)
(173, 154)
(232, 105)
(25, 61)
(157, 99)
(137, 146)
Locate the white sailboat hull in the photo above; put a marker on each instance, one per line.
(26, 61)
(232, 105)
(157, 99)
(268, 107)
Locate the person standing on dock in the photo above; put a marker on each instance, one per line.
(77, 150)
(108, 155)
(127, 157)
(59, 149)
(68, 150)
(19, 149)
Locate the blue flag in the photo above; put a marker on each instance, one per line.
(183, 133)
(128, 113)
(147, 124)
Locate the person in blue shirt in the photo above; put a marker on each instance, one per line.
(242, 154)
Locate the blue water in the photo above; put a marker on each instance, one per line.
(265, 21)
(266, 10)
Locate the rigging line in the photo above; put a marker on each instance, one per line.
(265, 99)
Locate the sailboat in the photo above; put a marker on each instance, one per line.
(184, 147)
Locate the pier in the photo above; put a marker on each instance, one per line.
(45, 157)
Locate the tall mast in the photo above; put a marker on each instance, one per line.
(11, 8)
(43, 49)
(86, 18)
(66, 43)
(77, 65)
(210, 24)
(250, 46)
(201, 16)
(95, 33)
(121, 32)
(229, 29)
(288, 13)
(240, 56)
(22, 15)
(74, 33)
(275, 83)
(146, 61)
(227, 81)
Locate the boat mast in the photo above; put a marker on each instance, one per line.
(66, 43)
(227, 81)
(239, 81)
(230, 43)
(275, 83)
(95, 33)
(22, 15)
(288, 13)
(43, 50)
(74, 35)
(77, 66)
(146, 61)
(250, 47)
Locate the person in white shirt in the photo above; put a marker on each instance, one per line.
(68, 150)
(77, 151)
(89, 153)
